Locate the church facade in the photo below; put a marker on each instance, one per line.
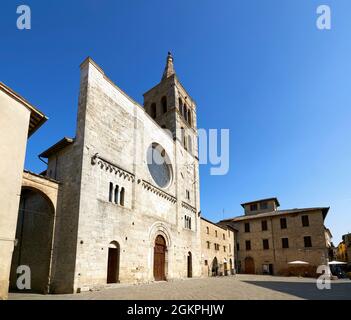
(129, 207)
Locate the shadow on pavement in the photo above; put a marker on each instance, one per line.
(338, 291)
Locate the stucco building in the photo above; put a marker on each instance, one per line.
(268, 238)
(217, 244)
(18, 121)
(128, 203)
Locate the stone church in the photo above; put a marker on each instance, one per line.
(128, 202)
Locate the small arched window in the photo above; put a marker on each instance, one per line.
(116, 193)
(121, 197)
(110, 195)
(164, 104)
(207, 230)
(153, 111)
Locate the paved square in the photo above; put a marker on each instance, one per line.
(250, 287)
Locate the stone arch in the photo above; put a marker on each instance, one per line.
(35, 230)
(215, 267)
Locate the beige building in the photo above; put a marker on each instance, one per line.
(346, 238)
(269, 238)
(128, 203)
(217, 245)
(18, 121)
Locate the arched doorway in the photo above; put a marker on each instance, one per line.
(249, 265)
(214, 267)
(34, 234)
(160, 258)
(190, 265)
(225, 268)
(231, 266)
(113, 262)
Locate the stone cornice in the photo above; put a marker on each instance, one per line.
(113, 168)
(149, 187)
(188, 207)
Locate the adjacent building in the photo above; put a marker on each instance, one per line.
(217, 245)
(269, 238)
(19, 119)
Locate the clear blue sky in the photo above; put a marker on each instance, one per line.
(260, 68)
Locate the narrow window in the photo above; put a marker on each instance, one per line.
(153, 111)
(121, 197)
(264, 225)
(283, 223)
(190, 223)
(230, 248)
(247, 227)
(216, 233)
(164, 104)
(208, 244)
(189, 144)
(265, 243)
(206, 262)
(285, 243)
(248, 245)
(307, 241)
(223, 236)
(180, 104)
(237, 246)
(110, 195)
(207, 230)
(305, 221)
(116, 194)
(189, 117)
(185, 113)
(224, 249)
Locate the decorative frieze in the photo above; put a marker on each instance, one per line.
(149, 187)
(111, 167)
(188, 207)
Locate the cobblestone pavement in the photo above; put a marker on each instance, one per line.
(233, 287)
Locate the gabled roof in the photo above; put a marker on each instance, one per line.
(37, 118)
(277, 213)
(63, 143)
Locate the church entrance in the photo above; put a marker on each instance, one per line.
(159, 258)
(113, 263)
(190, 265)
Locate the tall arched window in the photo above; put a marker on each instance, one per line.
(110, 195)
(185, 113)
(121, 197)
(189, 144)
(116, 194)
(189, 116)
(180, 104)
(164, 104)
(153, 111)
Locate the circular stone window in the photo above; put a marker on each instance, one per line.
(159, 165)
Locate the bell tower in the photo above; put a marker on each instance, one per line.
(169, 104)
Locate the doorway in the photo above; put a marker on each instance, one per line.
(249, 265)
(113, 263)
(190, 265)
(160, 258)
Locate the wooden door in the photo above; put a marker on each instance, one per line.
(159, 258)
(112, 265)
(249, 265)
